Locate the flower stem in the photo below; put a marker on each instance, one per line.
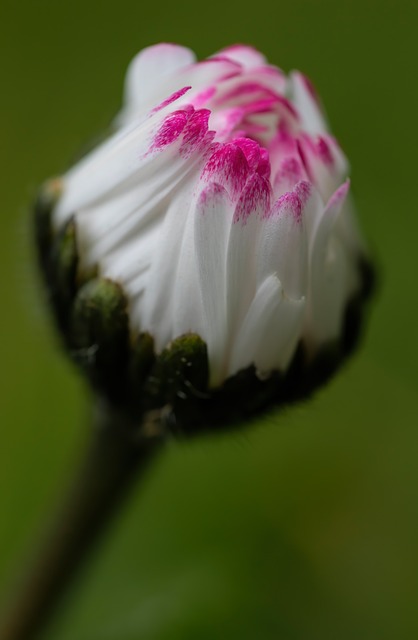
(117, 455)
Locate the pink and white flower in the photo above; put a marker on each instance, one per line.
(221, 204)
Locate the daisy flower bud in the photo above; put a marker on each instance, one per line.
(208, 250)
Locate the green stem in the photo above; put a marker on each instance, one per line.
(118, 454)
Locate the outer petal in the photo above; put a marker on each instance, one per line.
(191, 84)
(284, 147)
(162, 315)
(282, 244)
(329, 286)
(111, 213)
(289, 173)
(245, 55)
(256, 83)
(149, 70)
(108, 167)
(241, 275)
(270, 331)
(212, 228)
(324, 162)
(307, 103)
(128, 263)
(348, 229)
(129, 211)
(157, 306)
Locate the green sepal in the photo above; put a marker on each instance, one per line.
(99, 336)
(57, 253)
(179, 377)
(141, 363)
(62, 272)
(43, 207)
(356, 308)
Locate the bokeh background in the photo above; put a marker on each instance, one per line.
(304, 526)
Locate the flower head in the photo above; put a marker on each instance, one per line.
(220, 207)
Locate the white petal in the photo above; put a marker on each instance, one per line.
(283, 148)
(324, 161)
(158, 311)
(282, 245)
(187, 307)
(324, 224)
(130, 210)
(241, 259)
(329, 286)
(228, 166)
(306, 102)
(243, 54)
(107, 167)
(213, 221)
(201, 79)
(255, 83)
(290, 171)
(329, 302)
(125, 262)
(348, 229)
(149, 70)
(270, 331)
(117, 194)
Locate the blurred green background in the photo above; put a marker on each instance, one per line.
(304, 526)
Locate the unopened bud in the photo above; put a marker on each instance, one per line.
(206, 259)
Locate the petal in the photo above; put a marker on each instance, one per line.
(113, 218)
(241, 259)
(158, 298)
(125, 184)
(270, 331)
(188, 307)
(190, 125)
(324, 224)
(130, 266)
(245, 55)
(256, 156)
(213, 221)
(191, 84)
(228, 167)
(282, 146)
(130, 209)
(125, 153)
(149, 70)
(324, 162)
(244, 88)
(348, 229)
(282, 244)
(328, 303)
(329, 278)
(307, 103)
(289, 173)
